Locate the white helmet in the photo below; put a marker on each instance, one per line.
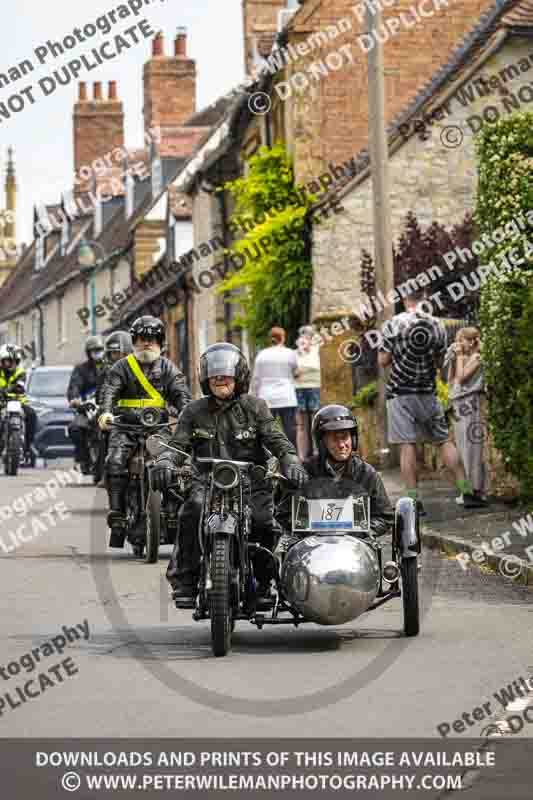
(7, 351)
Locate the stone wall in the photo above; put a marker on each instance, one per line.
(436, 182)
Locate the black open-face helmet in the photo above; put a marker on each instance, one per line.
(94, 344)
(148, 327)
(224, 358)
(333, 418)
(119, 342)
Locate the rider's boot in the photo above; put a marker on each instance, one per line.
(116, 519)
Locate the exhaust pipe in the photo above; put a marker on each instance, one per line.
(391, 572)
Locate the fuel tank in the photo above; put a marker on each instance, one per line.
(330, 579)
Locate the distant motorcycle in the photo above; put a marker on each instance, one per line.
(12, 422)
(143, 504)
(96, 450)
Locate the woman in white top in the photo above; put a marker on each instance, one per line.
(275, 369)
(307, 390)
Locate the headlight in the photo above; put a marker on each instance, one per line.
(225, 476)
(150, 417)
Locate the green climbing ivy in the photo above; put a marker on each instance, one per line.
(277, 269)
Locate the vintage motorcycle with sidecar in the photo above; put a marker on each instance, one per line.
(330, 572)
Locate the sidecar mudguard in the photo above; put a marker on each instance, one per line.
(406, 532)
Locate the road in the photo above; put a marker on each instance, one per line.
(146, 670)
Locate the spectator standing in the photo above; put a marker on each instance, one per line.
(275, 370)
(467, 386)
(307, 390)
(413, 344)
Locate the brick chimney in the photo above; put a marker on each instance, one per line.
(98, 127)
(169, 84)
(260, 25)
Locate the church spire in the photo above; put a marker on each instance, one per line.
(11, 196)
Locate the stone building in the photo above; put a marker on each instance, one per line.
(432, 167)
(117, 205)
(432, 171)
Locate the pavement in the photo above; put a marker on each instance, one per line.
(497, 538)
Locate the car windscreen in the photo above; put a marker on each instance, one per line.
(49, 383)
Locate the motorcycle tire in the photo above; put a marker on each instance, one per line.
(153, 526)
(12, 457)
(220, 610)
(411, 612)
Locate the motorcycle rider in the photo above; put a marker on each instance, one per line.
(13, 381)
(83, 382)
(117, 345)
(226, 423)
(336, 435)
(143, 379)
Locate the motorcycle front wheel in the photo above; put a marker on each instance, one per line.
(153, 526)
(220, 607)
(12, 456)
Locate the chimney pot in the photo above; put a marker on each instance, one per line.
(158, 45)
(97, 90)
(112, 93)
(180, 42)
(82, 91)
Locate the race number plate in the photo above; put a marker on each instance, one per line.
(351, 513)
(14, 406)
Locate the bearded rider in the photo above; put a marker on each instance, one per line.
(141, 380)
(83, 383)
(226, 423)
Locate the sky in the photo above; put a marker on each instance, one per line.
(42, 133)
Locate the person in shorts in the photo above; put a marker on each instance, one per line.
(413, 344)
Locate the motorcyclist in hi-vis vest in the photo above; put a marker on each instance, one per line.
(13, 385)
(141, 380)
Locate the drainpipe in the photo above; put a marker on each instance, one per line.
(225, 238)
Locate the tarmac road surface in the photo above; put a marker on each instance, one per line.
(146, 669)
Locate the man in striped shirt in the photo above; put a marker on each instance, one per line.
(413, 344)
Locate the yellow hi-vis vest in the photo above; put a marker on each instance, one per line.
(6, 384)
(154, 398)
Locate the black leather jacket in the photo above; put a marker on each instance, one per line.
(238, 429)
(358, 477)
(165, 377)
(84, 379)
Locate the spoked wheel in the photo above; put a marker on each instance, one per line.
(12, 457)
(153, 526)
(220, 597)
(411, 614)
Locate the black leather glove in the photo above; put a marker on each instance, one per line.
(297, 475)
(163, 474)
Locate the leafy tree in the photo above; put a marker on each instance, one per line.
(277, 274)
